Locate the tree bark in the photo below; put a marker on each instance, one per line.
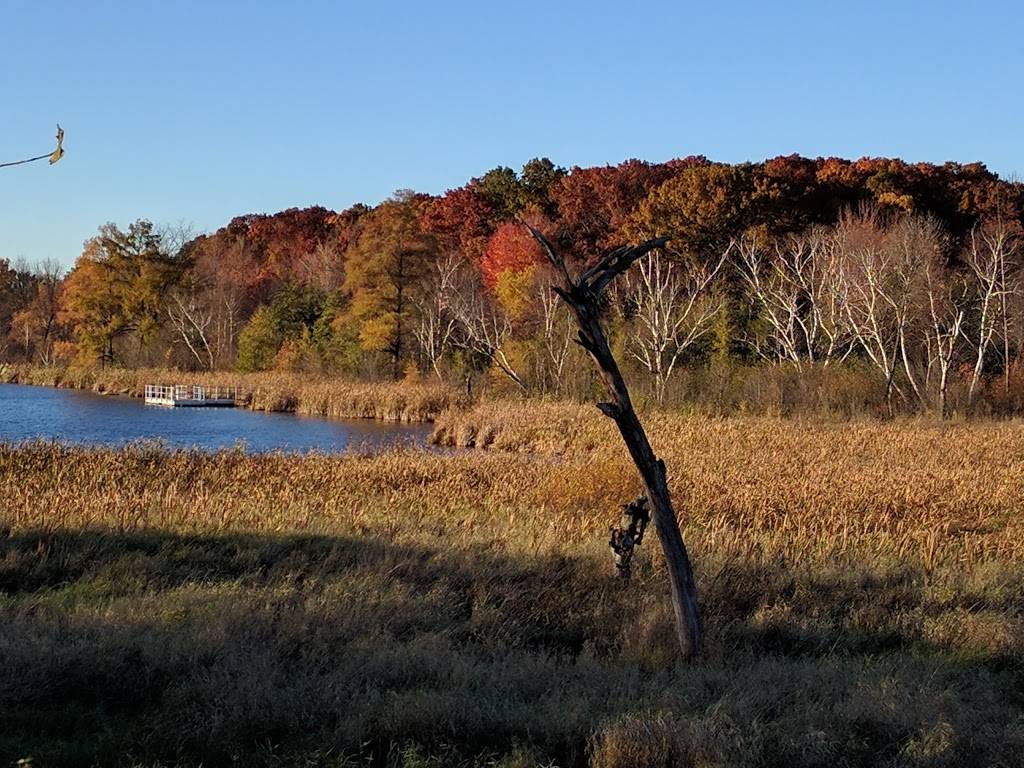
(583, 296)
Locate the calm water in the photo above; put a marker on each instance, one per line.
(69, 416)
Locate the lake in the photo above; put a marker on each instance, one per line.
(84, 418)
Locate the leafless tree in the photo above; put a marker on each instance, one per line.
(228, 303)
(438, 321)
(991, 256)
(225, 296)
(483, 327)
(672, 309)
(776, 297)
(882, 269)
(948, 296)
(22, 331)
(192, 315)
(556, 334)
(795, 286)
(35, 325)
(174, 238)
(323, 267)
(50, 272)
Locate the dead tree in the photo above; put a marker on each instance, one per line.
(881, 268)
(583, 295)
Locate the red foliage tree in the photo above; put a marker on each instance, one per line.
(511, 248)
(787, 195)
(594, 203)
(260, 252)
(284, 238)
(461, 219)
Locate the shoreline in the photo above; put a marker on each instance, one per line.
(329, 398)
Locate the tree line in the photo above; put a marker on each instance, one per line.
(907, 273)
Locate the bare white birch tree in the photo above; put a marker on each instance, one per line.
(483, 328)
(227, 322)
(799, 295)
(672, 309)
(192, 317)
(188, 305)
(438, 321)
(323, 267)
(948, 297)
(882, 270)
(991, 256)
(557, 330)
(227, 298)
(775, 296)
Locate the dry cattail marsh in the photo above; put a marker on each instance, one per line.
(863, 586)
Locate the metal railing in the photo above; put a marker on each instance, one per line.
(191, 392)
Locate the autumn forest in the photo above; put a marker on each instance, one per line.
(854, 286)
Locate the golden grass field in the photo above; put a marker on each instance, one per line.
(862, 584)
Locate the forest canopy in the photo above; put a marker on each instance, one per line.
(907, 272)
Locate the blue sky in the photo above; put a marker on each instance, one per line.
(200, 111)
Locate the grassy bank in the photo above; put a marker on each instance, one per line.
(863, 589)
(293, 393)
(557, 428)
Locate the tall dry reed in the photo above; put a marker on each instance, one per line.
(863, 586)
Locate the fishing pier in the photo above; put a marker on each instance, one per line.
(190, 396)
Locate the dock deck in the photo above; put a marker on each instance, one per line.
(190, 396)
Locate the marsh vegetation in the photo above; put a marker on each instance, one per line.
(862, 586)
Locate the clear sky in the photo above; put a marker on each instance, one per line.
(200, 111)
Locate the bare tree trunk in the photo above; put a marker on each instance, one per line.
(483, 329)
(557, 335)
(437, 320)
(583, 296)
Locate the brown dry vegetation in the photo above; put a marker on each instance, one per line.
(305, 394)
(862, 584)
